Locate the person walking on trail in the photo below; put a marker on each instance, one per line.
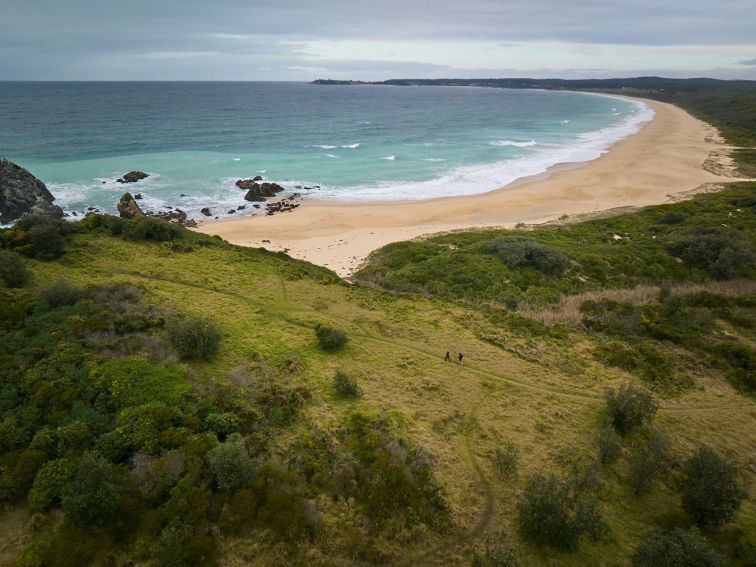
(447, 358)
(459, 356)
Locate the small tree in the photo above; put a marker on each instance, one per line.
(609, 445)
(630, 406)
(712, 493)
(647, 462)
(330, 338)
(676, 548)
(13, 272)
(195, 338)
(345, 385)
(554, 512)
(231, 464)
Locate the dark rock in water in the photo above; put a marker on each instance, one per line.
(176, 215)
(257, 178)
(127, 207)
(182, 195)
(206, 211)
(241, 207)
(231, 212)
(21, 193)
(133, 177)
(246, 183)
(260, 191)
(191, 223)
(256, 206)
(137, 196)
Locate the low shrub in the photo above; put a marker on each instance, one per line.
(506, 459)
(675, 548)
(712, 493)
(345, 385)
(496, 552)
(195, 338)
(148, 228)
(673, 217)
(42, 237)
(647, 462)
(59, 294)
(518, 252)
(556, 513)
(629, 407)
(329, 338)
(609, 445)
(13, 272)
(231, 464)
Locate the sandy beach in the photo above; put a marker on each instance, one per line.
(661, 163)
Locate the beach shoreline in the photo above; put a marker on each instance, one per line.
(660, 163)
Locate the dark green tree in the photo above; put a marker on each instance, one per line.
(676, 548)
(712, 493)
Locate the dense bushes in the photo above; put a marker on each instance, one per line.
(144, 228)
(676, 548)
(556, 512)
(37, 237)
(330, 339)
(722, 252)
(13, 272)
(518, 252)
(195, 338)
(629, 407)
(711, 493)
(91, 497)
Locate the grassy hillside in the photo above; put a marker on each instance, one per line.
(165, 398)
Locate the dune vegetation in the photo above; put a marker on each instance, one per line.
(168, 398)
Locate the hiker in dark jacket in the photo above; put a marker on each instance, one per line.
(459, 356)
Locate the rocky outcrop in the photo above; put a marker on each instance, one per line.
(133, 177)
(175, 215)
(258, 191)
(206, 211)
(21, 193)
(128, 208)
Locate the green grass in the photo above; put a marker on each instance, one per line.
(422, 437)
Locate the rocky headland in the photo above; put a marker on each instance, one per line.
(21, 193)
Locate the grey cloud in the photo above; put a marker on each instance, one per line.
(100, 39)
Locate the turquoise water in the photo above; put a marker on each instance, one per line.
(356, 143)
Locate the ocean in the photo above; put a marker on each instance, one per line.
(356, 143)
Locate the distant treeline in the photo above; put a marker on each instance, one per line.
(729, 105)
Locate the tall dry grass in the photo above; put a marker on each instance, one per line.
(568, 311)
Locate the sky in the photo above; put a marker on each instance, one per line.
(300, 40)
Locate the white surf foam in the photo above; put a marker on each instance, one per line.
(389, 158)
(470, 180)
(513, 143)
